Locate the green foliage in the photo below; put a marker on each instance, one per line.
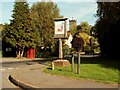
(87, 49)
(93, 31)
(43, 14)
(55, 48)
(1, 54)
(7, 35)
(21, 32)
(1, 27)
(85, 27)
(73, 27)
(67, 50)
(84, 36)
(73, 30)
(108, 28)
(22, 27)
(90, 40)
(94, 42)
(32, 27)
(83, 31)
(45, 54)
(77, 43)
(109, 11)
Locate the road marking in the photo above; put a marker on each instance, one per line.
(10, 68)
(3, 69)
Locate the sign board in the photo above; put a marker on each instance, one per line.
(60, 28)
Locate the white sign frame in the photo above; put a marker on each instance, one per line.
(60, 28)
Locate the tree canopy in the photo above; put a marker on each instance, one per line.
(44, 19)
(31, 27)
(43, 15)
(85, 27)
(108, 25)
(83, 31)
(77, 43)
(21, 31)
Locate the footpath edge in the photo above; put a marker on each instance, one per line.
(21, 84)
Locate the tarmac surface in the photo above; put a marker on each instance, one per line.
(32, 76)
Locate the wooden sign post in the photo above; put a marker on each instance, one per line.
(60, 33)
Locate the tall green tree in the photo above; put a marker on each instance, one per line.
(21, 32)
(43, 15)
(83, 31)
(1, 29)
(107, 26)
(85, 27)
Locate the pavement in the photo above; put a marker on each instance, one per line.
(32, 76)
(13, 59)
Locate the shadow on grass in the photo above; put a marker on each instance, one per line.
(103, 62)
(49, 68)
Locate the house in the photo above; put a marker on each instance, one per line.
(69, 39)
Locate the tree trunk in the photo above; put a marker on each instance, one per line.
(18, 55)
(78, 71)
(73, 63)
(22, 52)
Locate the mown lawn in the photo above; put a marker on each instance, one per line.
(98, 69)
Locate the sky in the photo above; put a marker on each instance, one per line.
(80, 10)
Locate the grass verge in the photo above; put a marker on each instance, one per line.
(98, 69)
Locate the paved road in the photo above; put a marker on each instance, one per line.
(8, 65)
(7, 69)
(35, 77)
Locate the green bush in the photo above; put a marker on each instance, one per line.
(45, 54)
(66, 50)
(0, 53)
(87, 49)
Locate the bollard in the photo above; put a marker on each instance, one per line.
(52, 66)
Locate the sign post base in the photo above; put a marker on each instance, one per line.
(61, 63)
